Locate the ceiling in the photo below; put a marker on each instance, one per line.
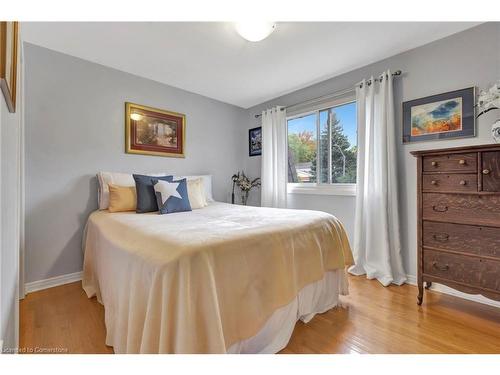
(211, 59)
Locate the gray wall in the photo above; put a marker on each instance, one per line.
(469, 58)
(10, 130)
(75, 128)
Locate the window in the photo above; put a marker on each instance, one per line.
(322, 148)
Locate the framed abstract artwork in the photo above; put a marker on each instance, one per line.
(152, 131)
(8, 62)
(443, 116)
(255, 141)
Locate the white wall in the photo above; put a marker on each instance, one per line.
(10, 125)
(75, 113)
(469, 58)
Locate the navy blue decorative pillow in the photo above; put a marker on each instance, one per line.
(172, 196)
(146, 198)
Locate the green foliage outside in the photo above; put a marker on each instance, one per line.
(301, 149)
(303, 146)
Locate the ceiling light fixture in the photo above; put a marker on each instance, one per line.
(255, 31)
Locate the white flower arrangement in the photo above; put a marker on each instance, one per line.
(245, 185)
(489, 99)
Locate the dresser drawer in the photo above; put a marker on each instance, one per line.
(490, 274)
(462, 208)
(450, 182)
(466, 162)
(460, 268)
(483, 241)
(490, 171)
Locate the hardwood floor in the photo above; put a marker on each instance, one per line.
(372, 319)
(62, 318)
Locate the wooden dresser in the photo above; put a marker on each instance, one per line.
(459, 219)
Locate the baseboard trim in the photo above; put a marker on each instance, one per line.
(412, 280)
(53, 281)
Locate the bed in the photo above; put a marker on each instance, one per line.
(221, 279)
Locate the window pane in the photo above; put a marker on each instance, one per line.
(339, 138)
(323, 147)
(302, 149)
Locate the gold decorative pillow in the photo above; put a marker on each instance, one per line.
(122, 198)
(196, 193)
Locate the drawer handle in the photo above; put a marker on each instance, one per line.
(434, 163)
(461, 162)
(441, 237)
(434, 182)
(486, 171)
(463, 182)
(440, 208)
(440, 268)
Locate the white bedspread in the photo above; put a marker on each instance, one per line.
(204, 280)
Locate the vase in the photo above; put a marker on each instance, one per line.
(244, 197)
(495, 131)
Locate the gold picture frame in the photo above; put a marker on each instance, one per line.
(153, 131)
(9, 40)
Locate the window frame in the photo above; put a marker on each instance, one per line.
(321, 188)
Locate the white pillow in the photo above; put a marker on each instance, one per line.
(196, 193)
(116, 178)
(207, 184)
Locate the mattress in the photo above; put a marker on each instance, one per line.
(207, 280)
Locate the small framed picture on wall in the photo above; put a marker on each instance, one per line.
(255, 141)
(442, 116)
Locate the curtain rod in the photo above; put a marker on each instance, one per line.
(338, 93)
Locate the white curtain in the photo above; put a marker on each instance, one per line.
(274, 158)
(377, 248)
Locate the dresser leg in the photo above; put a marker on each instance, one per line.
(428, 284)
(420, 296)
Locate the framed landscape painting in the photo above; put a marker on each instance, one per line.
(255, 141)
(8, 62)
(443, 116)
(152, 131)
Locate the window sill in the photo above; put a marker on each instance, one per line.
(313, 189)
